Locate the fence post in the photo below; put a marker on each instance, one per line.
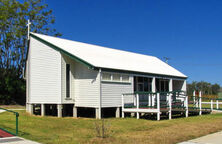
(217, 104)
(170, 105)
(17, 115)
(187, 105)
(137, 106)
(194, 98)
(158, 106)
(211, 104)
(197, 101)
(200, 102)
(122, 106)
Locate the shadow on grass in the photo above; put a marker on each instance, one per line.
(165, 116)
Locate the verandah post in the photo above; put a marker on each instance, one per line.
(149, 98)
(153, 91)
(186, 100)
(137, 106)
(134, 100)
(170, 105)
(200, 103)
(122, 106)
(158, 106)
(153, 100)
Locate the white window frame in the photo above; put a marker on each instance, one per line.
(111, 77)
(118, 77)
(114, 81)
(127, 76)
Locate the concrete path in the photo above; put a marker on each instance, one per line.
(1, 110)
(215, 138)
(16, 140)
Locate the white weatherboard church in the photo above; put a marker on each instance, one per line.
(65, 77)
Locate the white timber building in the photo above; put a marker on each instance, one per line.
(68, 78)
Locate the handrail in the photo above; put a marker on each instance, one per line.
(206, 98)
(139, 92)
(16, 119)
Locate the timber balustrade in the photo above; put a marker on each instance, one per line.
(167, 103)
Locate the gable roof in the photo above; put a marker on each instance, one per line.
(101, 57)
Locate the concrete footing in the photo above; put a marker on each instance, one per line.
(27, 107)
(158, 116)
(75, 112)
(118, 112)
(31, 109)
(123, 114)
(138, 115)
(42, 109)
(170, 115)
(59, 110)
(132, 114)
(98, 113)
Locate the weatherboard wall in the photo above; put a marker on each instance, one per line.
(112, 92)
(85, 85)
(44, 73)
(66, 60)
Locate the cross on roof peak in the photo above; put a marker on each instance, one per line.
(28, 25)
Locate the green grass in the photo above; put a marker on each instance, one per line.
(54, 130)
(206, 106)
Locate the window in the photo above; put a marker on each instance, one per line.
(162, 85)
(142, 84)
(125, 78)
(140, 87)
(116, 77)
(106, 76)
(146, 84)
(67, 80)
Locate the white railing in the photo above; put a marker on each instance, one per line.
(147, 102)
(203, 103)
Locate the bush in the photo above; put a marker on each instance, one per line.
(102, 129)
(12, 88)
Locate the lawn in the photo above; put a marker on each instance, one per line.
(128, 130)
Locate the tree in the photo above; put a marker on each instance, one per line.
(205, 87)
(13, 41)
(191, 87)
(215, 88)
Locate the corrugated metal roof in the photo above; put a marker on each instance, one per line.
(102, 57)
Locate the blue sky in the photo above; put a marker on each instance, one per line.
(189, 32)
